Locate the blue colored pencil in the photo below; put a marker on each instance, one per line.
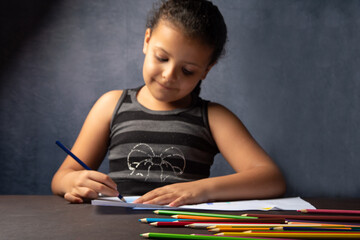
(151, 220)
(79, 161)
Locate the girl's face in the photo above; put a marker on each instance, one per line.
(173, 66)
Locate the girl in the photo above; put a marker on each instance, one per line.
(162, 137)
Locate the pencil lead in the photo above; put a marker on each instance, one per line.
(144, 235)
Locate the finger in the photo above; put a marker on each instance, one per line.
(72, 198)
(162, 200)
(145, 197)
(102, 178)
(85, 192)
(98, 187)
(178, 202)
(100, 183)
(150, 195)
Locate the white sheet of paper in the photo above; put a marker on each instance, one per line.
(294, 203)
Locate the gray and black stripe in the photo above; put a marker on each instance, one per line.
(149, 149)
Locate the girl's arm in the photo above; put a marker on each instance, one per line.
(71, 180)
(256, 174)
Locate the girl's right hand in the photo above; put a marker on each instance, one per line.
(85, 184)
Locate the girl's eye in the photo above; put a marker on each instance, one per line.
(187, 72)
(160, 59)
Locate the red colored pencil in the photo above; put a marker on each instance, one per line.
(330, 211)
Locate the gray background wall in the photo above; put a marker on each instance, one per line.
(291, 74)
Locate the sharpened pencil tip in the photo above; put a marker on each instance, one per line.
(144, 235)
(122, 198)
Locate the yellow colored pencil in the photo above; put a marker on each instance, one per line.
(311, 235)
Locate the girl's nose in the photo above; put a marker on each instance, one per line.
(169, 73)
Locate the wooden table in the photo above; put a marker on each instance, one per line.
(51, 217)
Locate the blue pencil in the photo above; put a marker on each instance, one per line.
(79, 161)
(150, 220)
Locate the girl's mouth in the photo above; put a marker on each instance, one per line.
(164, 87)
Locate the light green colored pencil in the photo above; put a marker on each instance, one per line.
(194, 237)
(170, 212)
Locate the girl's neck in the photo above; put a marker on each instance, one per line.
(145, 98)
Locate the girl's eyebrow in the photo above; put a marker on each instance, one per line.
(163, 50)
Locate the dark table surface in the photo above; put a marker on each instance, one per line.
(51, 217)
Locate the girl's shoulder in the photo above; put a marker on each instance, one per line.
(106, 104)
(216, 109)
(111, 95)
(110, 98)
(220, 116)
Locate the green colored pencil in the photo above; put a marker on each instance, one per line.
(194, 237)
(169, 212)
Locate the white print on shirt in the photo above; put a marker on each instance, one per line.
(142, 156)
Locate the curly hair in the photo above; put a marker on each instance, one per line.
(198, 19)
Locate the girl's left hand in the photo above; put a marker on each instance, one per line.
(176, 194)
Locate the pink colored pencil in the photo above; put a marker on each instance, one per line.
(310, 217)
(184, 223)
(330, 211)
(170, 224)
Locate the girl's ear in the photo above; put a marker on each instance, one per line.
(146, 40)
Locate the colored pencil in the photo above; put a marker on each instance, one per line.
(311, 235)
(170, 212)
(65, 149)
(186, 224)
(278, 231)
(248, 237)
(263, 220)
(313, 229)
(193, 237)
(299, 222)
(309, 217)
(261, 225)
(330, 211)
(150, 220)
(170, 224)
(237, 229)
(198, 217)
(214, 225)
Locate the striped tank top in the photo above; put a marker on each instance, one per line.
(150, 149)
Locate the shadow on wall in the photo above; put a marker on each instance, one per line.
(18, 21)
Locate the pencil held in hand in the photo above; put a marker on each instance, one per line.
(80, 162)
